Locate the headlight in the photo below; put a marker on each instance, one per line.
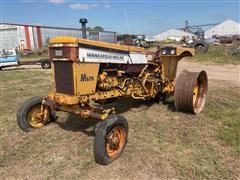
(172, 52)
(164, 52)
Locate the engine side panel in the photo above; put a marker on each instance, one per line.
(85, 78)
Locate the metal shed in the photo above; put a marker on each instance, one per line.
(227, 28)
(35, 37)
(173, 34)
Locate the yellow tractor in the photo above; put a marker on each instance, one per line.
(88, 73)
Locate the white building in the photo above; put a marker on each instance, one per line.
(173, 34)
(226, 28)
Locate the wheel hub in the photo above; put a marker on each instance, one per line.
(37, 118)
(115, 141)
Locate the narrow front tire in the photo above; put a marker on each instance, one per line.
(30, 116)
(110, 140)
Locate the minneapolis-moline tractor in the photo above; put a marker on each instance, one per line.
(88, 73)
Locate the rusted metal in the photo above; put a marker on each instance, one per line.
(184, 91)
(83, 111)
(27, 34)
(68, 53)
(64, 81)
(39, 37)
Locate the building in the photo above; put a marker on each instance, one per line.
(36, 37)
(227, 28)
(173, 34)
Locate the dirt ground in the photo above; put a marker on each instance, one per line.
(162, 144)
(220, 72)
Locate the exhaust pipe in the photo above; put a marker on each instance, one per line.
(84, 21)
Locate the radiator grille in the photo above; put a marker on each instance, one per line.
(64, 77)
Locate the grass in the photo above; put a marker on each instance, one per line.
(33, 57)
(227, 112)
(219, 54)
(163, 143)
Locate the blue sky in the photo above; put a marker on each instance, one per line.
(127, 16)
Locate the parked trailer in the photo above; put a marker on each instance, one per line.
(9, 58)
(45, 63)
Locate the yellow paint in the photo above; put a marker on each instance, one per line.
(84, 85)
(195, 93)
(181, 50)
(169, 66)
(63, 39)
(38, 118)
(63, 98)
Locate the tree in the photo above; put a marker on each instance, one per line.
(98, 28)
(89, 28)
(123, 37)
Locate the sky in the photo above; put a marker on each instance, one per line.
(126, 16)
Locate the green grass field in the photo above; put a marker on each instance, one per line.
(218, 54)
(163, 143)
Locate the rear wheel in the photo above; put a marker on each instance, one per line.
(46, 64)
(110, 140)
(190, 91)
(200, 46)
(30, 116)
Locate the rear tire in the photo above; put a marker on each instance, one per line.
(190, 91)
(28, 117)
(200, 46)
(110, 140)
(46, 64)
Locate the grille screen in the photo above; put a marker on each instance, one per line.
(64, 77)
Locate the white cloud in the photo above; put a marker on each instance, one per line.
(107, 6)
(82, 6)
(56, 1)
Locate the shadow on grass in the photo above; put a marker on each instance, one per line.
(76, 123)
(87, 126)
(170, 105)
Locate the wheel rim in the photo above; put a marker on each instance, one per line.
(199, 92)
(45, 65)
(36, 117)
(115, 141)
(195, 93)
(199, 48)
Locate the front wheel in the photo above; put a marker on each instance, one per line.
(110, 140)
(30, 116)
